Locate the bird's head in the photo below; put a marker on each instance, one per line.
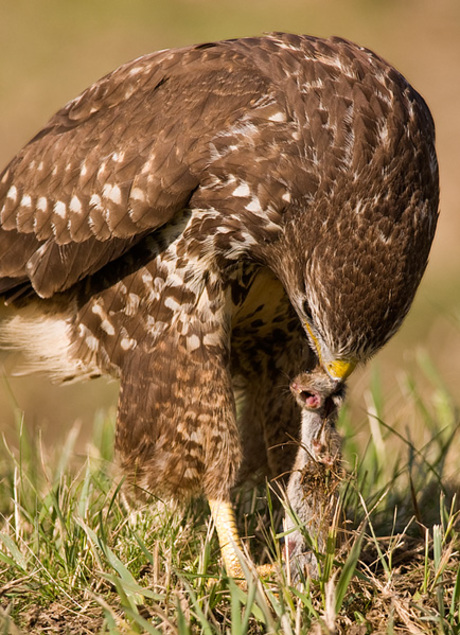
(353, 276)
(361, 218)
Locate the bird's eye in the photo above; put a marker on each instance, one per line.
(306, 310)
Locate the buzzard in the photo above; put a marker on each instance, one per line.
(207, 222)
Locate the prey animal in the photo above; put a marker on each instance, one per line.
(313, 489)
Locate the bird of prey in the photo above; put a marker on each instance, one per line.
(212, 221)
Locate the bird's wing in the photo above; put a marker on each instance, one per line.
(116, 163)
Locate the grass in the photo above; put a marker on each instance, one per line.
(77, 557)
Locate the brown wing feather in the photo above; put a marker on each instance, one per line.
(116, 162)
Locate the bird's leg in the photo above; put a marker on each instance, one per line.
(230, 543)
(312, 490)
(229, 540)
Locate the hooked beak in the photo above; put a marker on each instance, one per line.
(340, 369)
(337, 369)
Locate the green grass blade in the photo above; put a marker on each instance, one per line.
(18, 559)
(454, 612)
(348, 571)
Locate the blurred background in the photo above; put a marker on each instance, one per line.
(50, 50)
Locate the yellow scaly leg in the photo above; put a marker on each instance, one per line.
(229, 540)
